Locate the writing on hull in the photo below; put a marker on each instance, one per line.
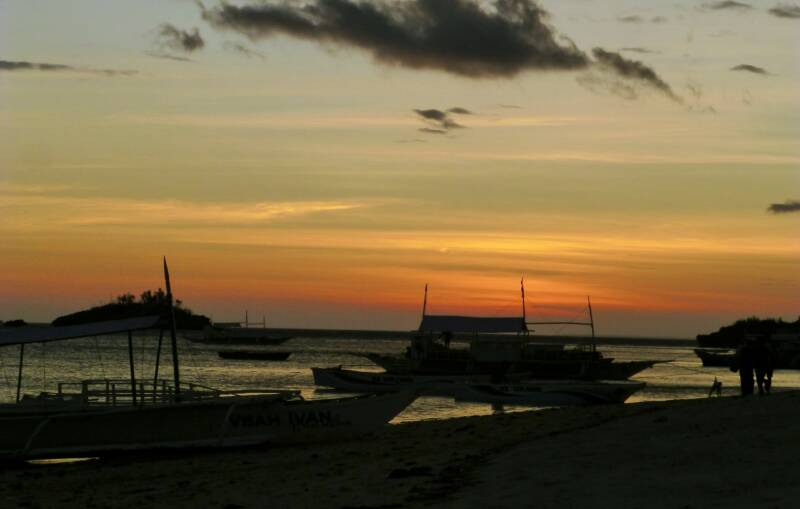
(298, 420)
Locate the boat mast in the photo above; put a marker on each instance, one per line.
(173, 334)
(158, 361)
(425, 301)
(591, 323)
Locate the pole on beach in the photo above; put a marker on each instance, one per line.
(133, 373)
(425, 301)
(173, 335)
(19, 373)
(158, 361)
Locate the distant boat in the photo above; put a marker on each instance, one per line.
(216, 334)
(716, 358)
(107, 415)
(258, 355)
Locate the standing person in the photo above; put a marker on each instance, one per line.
(762, 361)
(744, 364)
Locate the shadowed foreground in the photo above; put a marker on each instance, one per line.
(726, 452)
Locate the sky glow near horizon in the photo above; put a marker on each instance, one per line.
(294, 182)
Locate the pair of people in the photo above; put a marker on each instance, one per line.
(754, 357)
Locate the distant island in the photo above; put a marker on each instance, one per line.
(13, 323)
(730, 336)
(127, 306)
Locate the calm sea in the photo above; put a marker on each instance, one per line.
(680, 377)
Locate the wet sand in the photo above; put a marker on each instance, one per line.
(726, 452)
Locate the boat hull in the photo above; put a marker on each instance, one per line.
(366, 382)
(247, 355)
(550, 393)
(602, 369)
(223, 422)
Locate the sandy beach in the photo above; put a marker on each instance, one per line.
(726, 452)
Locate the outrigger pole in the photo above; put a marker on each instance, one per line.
(590, 323)
(173, 334)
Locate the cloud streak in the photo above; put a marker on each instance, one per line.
(633, 70)
(10, 65)
(786, 11)
(787, 207)
(750, 68)
(728, 5)
(441, 121)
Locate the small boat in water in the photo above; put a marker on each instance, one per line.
(254, 355)
(545, 393)
(217, 334)
(716, 358)
(368, 382)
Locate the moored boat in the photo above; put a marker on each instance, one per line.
(716, 358)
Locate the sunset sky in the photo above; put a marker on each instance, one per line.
(320, 161)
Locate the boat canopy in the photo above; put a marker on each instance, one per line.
(474, 324)
(46, 333)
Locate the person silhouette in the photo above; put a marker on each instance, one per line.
(745, 365)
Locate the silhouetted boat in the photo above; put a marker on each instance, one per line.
(107, 415)
(502, 346)
(216, 334)
(256, 355)
(716, 358)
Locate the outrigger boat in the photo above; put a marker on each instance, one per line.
(104, 416)
(502, 346)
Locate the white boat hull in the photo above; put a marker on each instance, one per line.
(221, 422)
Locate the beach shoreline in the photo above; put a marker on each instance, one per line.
(731, 452)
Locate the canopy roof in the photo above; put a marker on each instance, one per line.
(475, 324)
(45, 333)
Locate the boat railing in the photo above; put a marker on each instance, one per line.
(120, 392)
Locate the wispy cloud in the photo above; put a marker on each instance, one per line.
(10, 65)
(786, 11)
(241, 49)
(727, 5)
(635, 18)
(173, 38)
(633, 70)
(441, 120)
(167, 56)
(786, 207)
(750, 68)
(89, 211)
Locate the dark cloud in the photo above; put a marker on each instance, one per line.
(171, 37)
(167, 56)
(727, 5)
(8, 65)
(431, 131)
(749, 68)
(457, 36)
(470, 38)
(242, 50)
(440, 119)
(785, 208)
(633, 70)
(786, 11)
(459, 111)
